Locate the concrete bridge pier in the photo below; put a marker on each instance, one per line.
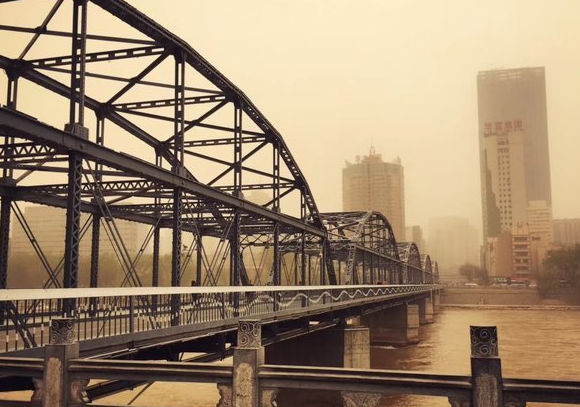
(397, 326)
(426, 312)
(436, 301)
(344, 346)
(56, 388)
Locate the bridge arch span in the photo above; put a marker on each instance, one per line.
(411, 263)
(363, 248)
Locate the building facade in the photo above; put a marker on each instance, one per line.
(415, 234)
(515, 170)
(453, 242)
(566, 232)
(372, 184)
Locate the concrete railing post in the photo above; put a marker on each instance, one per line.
(485, 368)
(56, 388)
(248, 356)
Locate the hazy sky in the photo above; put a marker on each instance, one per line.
(336, 76)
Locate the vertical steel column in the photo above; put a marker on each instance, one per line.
(7, 179)
(178, 166)
(309, 270)
(323, 260)
(303, 239)
(238, 113)
(176, 254)
(73, 217)
(96, 230)
(78, 54)
(276, 176)
(179, 113)
(156, 244)
(276, 261)
(156, 236)
(235, 249)
(75, 162)
(199, 258)
(155, 265)
(235, 258)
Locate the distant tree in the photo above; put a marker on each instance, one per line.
(561, 269)
(474, 274)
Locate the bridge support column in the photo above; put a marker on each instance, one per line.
(426, 311)
(346, 346)
(56, 388)
(397, 326)
(485, 368)
(436, 301)
(248, 356)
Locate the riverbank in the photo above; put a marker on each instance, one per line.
(491, 296)
(505, 296)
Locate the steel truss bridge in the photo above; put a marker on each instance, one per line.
(139, 127)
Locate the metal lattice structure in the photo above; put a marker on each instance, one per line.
(363, 248)
(411, 263)
(171, 143)
(427, 266)
(139, 127)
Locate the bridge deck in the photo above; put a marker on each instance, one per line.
(116, 320)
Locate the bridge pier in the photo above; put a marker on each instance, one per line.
(248, 356)
(56, 389)
(344, 346)
(397, 326)
(425, 311)
(436, 301)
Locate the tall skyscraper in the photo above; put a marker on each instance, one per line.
(372, 184)
(514, 160)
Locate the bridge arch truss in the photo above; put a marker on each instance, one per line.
(363, 249)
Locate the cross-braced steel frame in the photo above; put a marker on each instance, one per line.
(363, 249)
(152, 133)
(140, 127)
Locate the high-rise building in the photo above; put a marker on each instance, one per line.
(374, 185)
(566, 232)
(515, 166)
(415, 234)
(452, 242)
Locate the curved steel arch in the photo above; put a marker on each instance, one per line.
(426, 263)
(365, 238)
(427, 269)
(435, 272)
(175, 109)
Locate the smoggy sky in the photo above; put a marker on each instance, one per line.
(336, 76)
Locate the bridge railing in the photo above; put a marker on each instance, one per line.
(105, 312)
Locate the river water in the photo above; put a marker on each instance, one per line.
(538, 344)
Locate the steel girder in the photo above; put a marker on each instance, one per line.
(15, 124)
